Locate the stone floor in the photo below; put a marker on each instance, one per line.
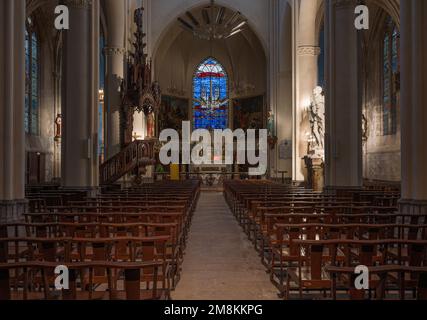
(220, 263)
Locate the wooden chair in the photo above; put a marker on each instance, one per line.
(125, 281)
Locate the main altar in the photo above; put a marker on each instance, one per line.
(211, 174)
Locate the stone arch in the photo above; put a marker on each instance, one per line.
(192, 5)
(176, 42)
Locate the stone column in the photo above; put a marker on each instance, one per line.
(57, 140)
(115, 61)
(307, 55)
(343, 140)
(80, 96)
(12, 106)
(307, 60)
(413, 105)
(274, 76)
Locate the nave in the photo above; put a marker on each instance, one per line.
(169, 240)
(88, 186)
(220, 262)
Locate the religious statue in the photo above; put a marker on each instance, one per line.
(316, 112)
(270, 124)
(150, 125)
(314, 160)
(157, 92)
(272, 139)
(138, 14)
(365, 129)
(58, 127)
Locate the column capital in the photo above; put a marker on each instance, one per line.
(112, 51)
(308, 50)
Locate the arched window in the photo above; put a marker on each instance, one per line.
(391, 77)
(210, 96)
(32, 79)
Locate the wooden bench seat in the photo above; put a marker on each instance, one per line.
(123, 281)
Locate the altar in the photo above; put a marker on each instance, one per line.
(212, 175)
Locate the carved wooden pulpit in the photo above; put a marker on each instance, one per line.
(139, 92)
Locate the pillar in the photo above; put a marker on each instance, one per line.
(57, 140)
(115, 62)
(343, 140)
(413, 105)
(80, 96)
(307, 55)
(274, 76)
(12, 109)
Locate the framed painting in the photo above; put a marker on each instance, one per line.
(248, 113)
(173, 112)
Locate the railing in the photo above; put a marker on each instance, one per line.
(138, 153)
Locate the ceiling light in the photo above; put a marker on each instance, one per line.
(211, 26)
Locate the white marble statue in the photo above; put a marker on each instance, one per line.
(317, 124)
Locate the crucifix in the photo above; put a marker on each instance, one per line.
(135, 136)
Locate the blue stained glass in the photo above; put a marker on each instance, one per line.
(27, 82)
(34, 115)
(27, 111)
(34, 43)
(391, 49)
(32, 78)
(27, 54)
(395, 50)
(210, 94)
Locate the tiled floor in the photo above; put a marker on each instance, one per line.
(220, 263)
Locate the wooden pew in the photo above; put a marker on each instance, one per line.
(385, 272)
(125, 280)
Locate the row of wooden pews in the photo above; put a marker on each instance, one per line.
(126, 244)
(311, 243)
(47, 196)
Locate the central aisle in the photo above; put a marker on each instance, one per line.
(220, 263)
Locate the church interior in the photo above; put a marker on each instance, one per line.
(89, 211)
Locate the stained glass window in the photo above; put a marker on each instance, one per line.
(32, 79)
(210, 96)
(391, 77)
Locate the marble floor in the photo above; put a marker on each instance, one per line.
(220, 263)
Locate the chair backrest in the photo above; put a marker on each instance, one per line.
(81, 285)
